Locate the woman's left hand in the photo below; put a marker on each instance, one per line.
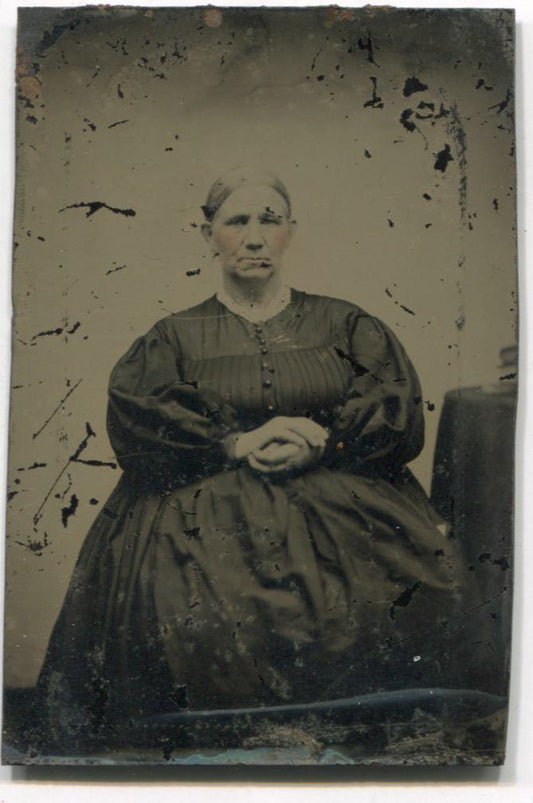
(279, 457)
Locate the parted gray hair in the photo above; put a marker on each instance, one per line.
(240, 177)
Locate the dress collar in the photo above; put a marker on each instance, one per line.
(262, 312)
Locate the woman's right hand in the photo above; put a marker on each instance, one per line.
(299, 431)
(282, 457)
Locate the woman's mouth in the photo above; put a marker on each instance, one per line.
(255, 262)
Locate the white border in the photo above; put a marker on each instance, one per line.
(513, 782)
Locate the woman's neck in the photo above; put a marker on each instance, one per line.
(251, 293)
(255, 305)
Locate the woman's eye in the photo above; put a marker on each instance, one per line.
(272, 221)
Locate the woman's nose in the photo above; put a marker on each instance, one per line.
(253, 236)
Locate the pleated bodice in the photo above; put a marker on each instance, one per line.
(285, 365)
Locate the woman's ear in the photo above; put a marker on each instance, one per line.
(207, 232)
(292, 228)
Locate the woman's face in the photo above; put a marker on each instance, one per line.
(250, 232)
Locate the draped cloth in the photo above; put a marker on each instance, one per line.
(204, 584)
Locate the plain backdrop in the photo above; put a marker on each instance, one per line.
(144, 112)
(515, 780)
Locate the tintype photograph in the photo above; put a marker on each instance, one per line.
(263, 387)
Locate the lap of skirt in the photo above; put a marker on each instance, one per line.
(239, 591)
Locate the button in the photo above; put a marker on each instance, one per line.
(265, 366)
(262, 341)
(258, 328)
(271, 408)
(267, 383)
(264, 350)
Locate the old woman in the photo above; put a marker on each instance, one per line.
(266, 543)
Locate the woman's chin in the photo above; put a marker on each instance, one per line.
(255, 272)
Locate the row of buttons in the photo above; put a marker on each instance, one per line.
(267, 383)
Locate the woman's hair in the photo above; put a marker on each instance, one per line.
(237, 178)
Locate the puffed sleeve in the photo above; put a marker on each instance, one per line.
(380, 425)
(164, 430)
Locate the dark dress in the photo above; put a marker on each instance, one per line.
(204, 584)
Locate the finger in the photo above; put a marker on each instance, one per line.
(280, 434)
(263, 467)
(308, 457)
(319, 431)
(276, 454)
(314, 434)
(308, 426)
(273, 450)
(298, 423)
(254, 463)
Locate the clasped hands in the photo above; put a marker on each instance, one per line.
(282, 444)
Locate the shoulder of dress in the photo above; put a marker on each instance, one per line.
(329, 304)
(200, 312)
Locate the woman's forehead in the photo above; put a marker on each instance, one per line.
(254, 198)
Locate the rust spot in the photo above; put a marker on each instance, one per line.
(335, 14)
(24, 67)
(371, 10)
(345, 14)
(29, 86)
(276, 735)
(213, 17)
(331, 16)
